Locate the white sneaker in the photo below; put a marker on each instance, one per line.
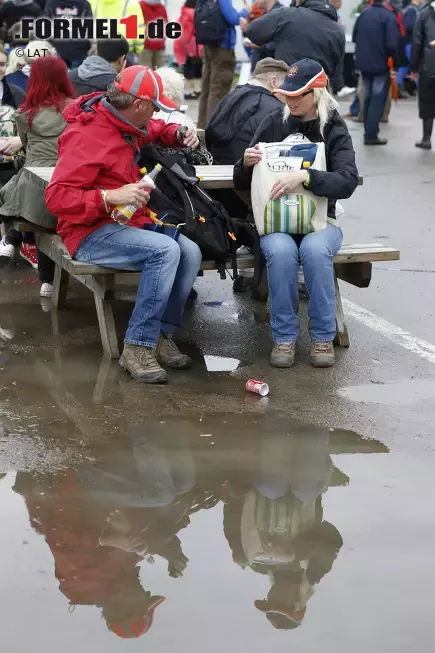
(46, 290)
(345, 91)
(6, 251)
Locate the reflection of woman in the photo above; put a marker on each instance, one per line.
(311, 111)
(277, 526)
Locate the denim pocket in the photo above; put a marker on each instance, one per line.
(82, 256)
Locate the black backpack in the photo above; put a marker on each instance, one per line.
(178, 199)
(210, 25)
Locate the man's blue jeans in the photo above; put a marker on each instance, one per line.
(315, 253)
(376, 89)
(168, 268)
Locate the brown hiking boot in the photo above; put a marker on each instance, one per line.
(169, 355)
(322, 354)
(283, 354)
(141, 363)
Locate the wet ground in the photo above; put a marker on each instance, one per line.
(199, 517)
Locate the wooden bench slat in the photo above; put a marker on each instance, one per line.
(54, 248)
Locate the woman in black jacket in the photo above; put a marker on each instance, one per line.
(309, 110)
(423, 62)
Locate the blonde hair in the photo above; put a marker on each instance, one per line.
(325, 107)
(14, 62)
(173, 84)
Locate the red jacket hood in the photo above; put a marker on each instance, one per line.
(85, 108)
(187, 12)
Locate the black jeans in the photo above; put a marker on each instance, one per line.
(45, 264)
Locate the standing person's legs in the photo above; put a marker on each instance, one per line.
(209, 53)
(282, 259)
(163, 263)
(158, 59)
(317, 251)
(145, 58)
(376, 89)
(45, 268)
(222, 74)
(426, 108)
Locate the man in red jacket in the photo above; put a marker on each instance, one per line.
(97, 170)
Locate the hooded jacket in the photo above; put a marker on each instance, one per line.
(423, 57)
(94, 74)
(235, 121)
(377, 37)
(12, 12)
(341, 178)
(70, 51)
(152, 11)
(186, 45)
(98, 150)
(294, 33)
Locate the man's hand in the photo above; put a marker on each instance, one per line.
(288, 183)
(243, 24)
(252, 156)
(13, 145)
(432, 44)
(129, 194)
(189, 138)
(414, 77)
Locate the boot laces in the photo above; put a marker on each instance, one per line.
(322, 347)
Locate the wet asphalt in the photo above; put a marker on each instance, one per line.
(200, 517)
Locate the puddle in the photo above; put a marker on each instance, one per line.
(221, 364)
(403, 393)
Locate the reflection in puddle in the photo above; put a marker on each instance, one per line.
(403, 393)
(134, 498)
(221, 363)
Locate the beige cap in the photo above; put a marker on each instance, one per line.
(270, 65)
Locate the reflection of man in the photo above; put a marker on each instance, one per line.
(88, 573)
(103, 519)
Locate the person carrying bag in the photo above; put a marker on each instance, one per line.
(300, 162)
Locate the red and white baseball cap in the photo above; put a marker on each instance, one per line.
(145, 84)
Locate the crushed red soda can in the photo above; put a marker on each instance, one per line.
(258, 387)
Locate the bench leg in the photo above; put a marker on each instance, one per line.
(60, 287)
(342, 337)
(261, 293)
(106, 322)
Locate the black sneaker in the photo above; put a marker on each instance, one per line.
(424, 145)
(375, 141)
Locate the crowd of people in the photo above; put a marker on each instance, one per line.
(90, 109)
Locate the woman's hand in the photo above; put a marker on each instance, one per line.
(288, 183)
(252, 156)
(13, 145)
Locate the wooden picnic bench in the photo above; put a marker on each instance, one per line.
(352, 264)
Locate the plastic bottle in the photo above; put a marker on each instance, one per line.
(123, 214)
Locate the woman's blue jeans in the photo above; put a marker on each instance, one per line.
(315, 253)
(169, 269)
